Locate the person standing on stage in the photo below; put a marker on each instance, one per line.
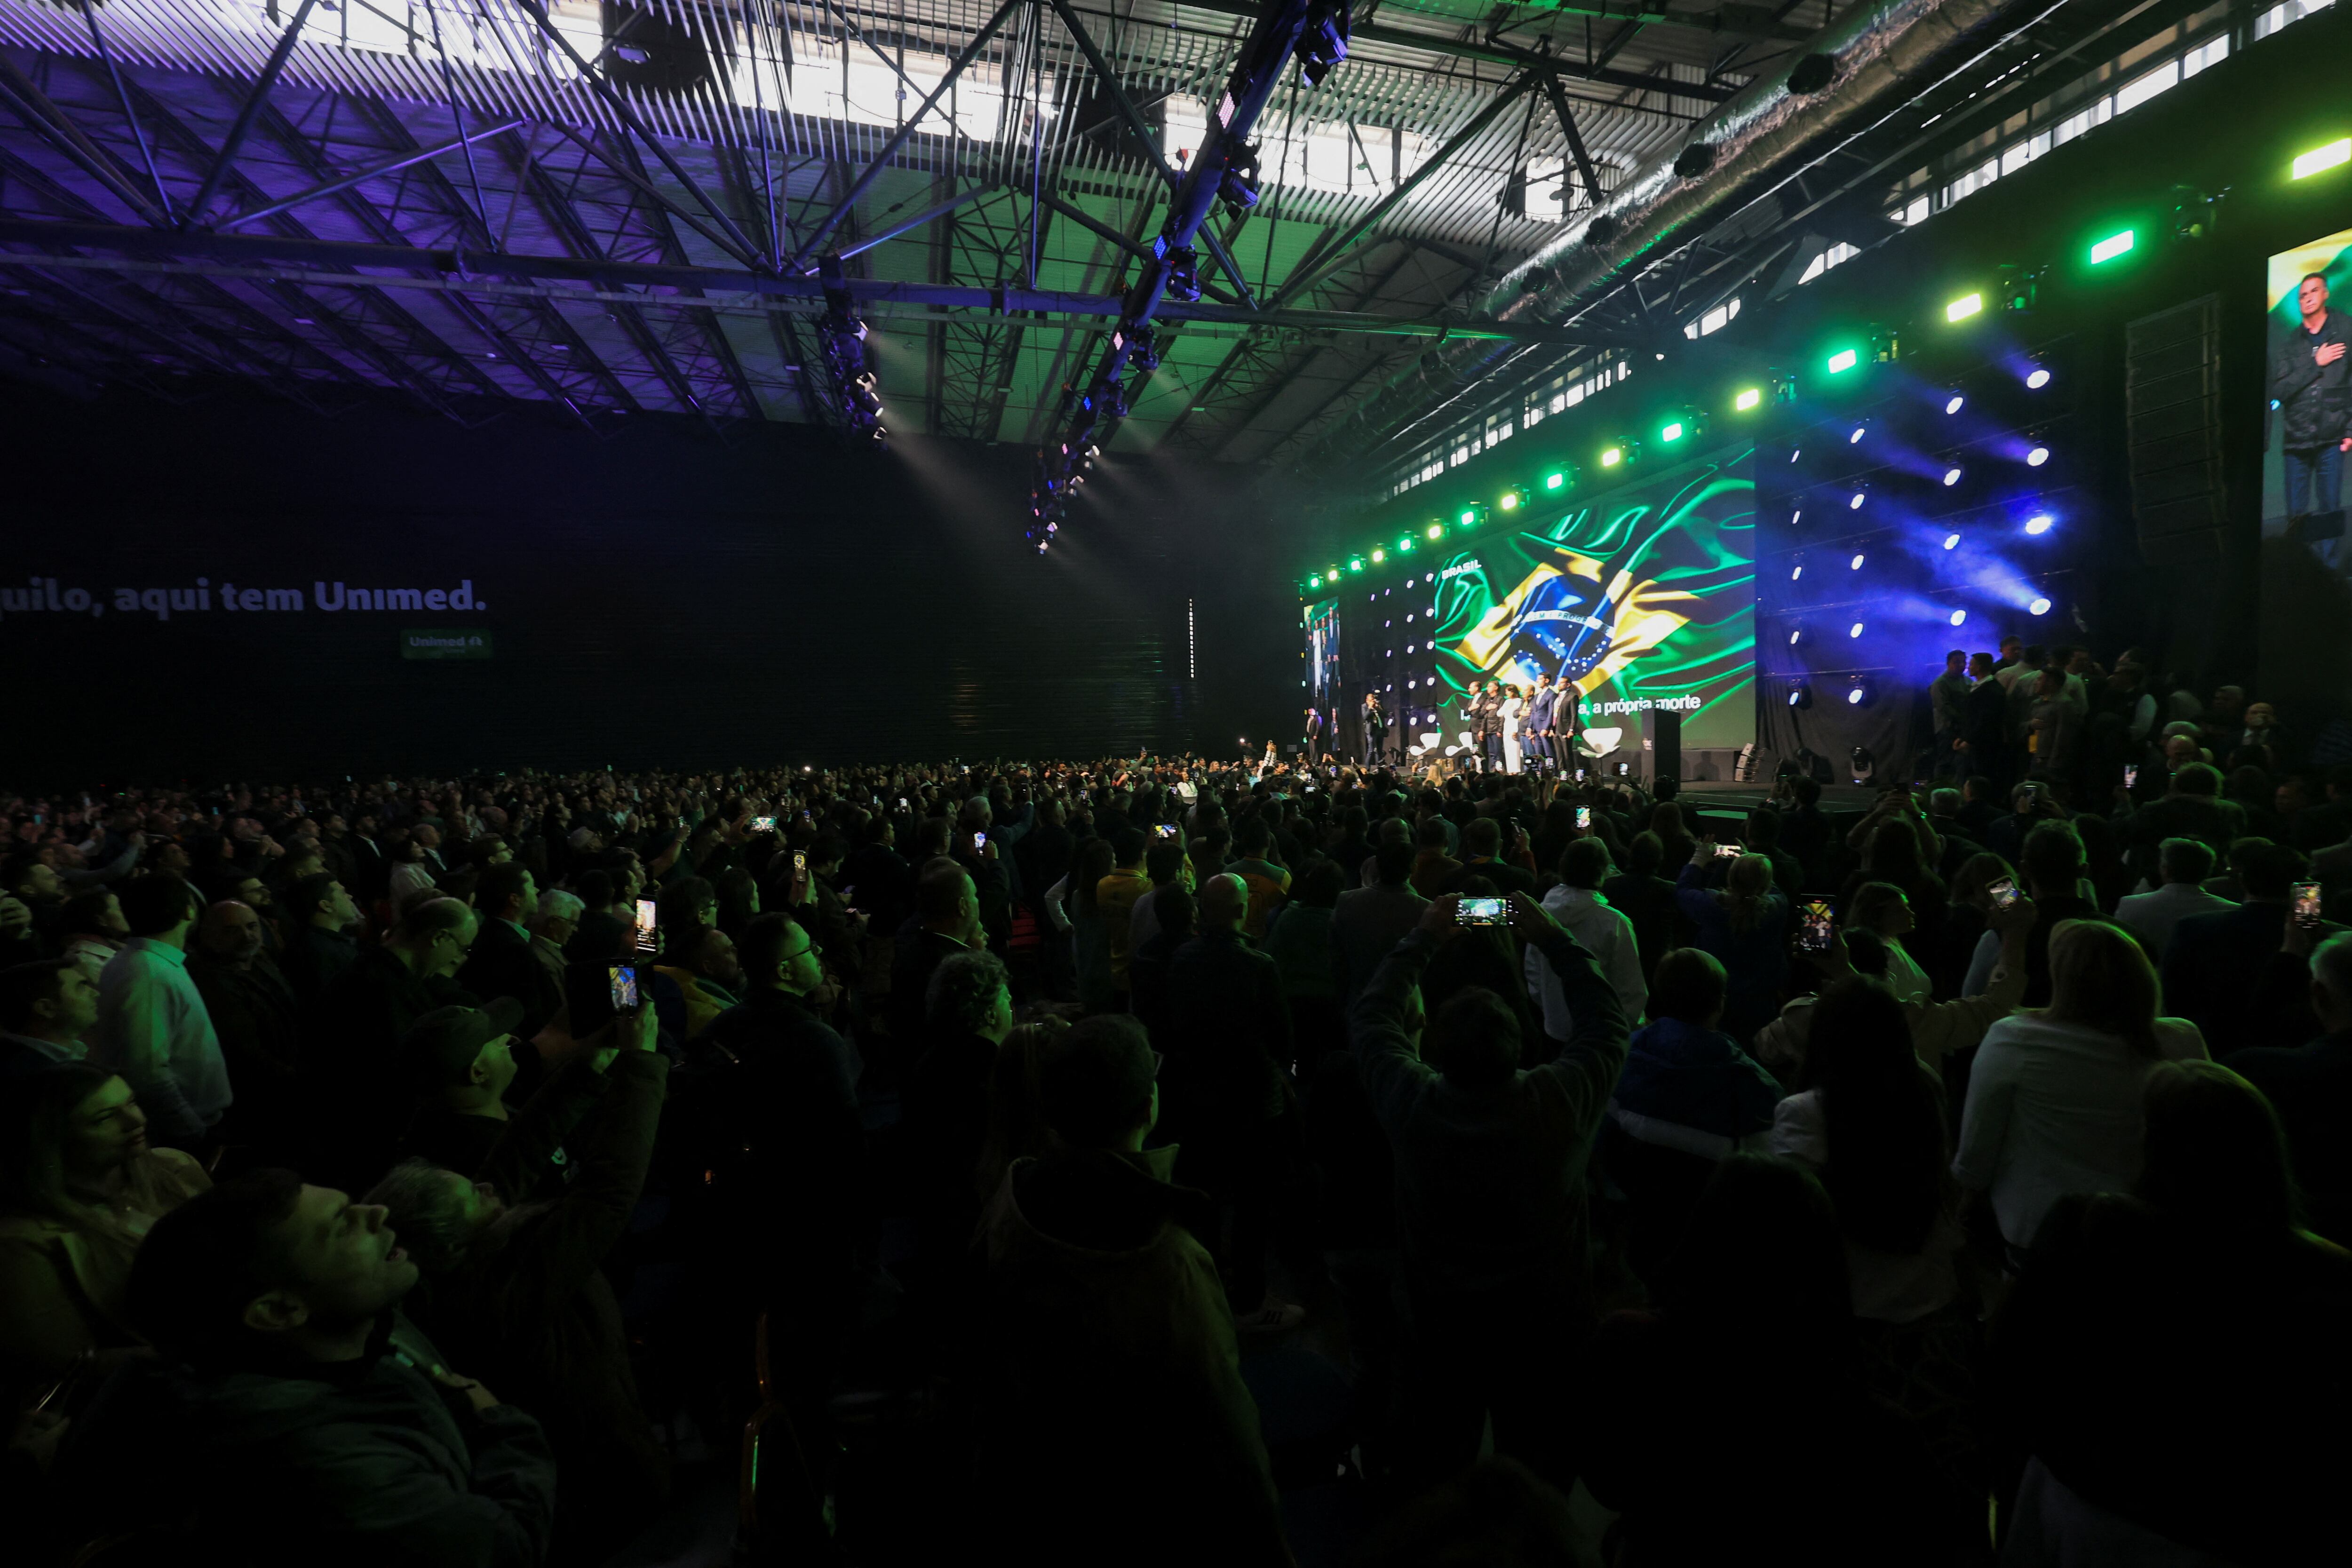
(1470, 700)
(1376, 729)
(1489, 725)
(1510, 721)
(1540, 708)
(1563, 730)
(1314, 736)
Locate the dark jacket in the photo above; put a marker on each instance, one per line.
(2314, 407)
(1365, 924)
(316, 959)
(2191, 1382)
(1490, 1182)
(2310, 1086)
(1118, 1397)
(1696, 1078)
(1230, 1030)
(778, 1095)
(350, 1044)
(946, 1126)
(503, 964)
(530, 1312)
(368, 1463)
(1658, 924)
(914, 957)
(2212, 969)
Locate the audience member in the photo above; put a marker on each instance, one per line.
(1119, 1398)
(1582, 909)
(153, 1028)
(253, 1015)
(306, 1419)
(1369, 921)
(2310, 1085)
(2053, 1098)
(78, 1189)
(48, 1008)
(1744, 926)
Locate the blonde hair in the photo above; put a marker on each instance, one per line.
(2100, 978)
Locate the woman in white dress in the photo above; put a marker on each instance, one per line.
(1513, 712)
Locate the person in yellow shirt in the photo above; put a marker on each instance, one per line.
(1268, 883)
(1115, 898)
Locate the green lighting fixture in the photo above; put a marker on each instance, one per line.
(1356, 563)
(1510, 500)
(1316, 581)
(1749, 397)
(1671, 431)
(1961, 309)
(1469, 516)
(1844, 360)
(1613, 456)
(2335, 153)
(1557, 480)
(1379, 555)
(1404, 544)
(2114, 245)
(1436, 531)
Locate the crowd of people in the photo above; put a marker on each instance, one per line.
(1156, 1159)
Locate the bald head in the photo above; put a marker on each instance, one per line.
(1224, 900)
(231, 930)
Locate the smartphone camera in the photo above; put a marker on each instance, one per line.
(1728, 851)
(624, 980)
(763, 825)
(648, 923)
(1624, 769)
(2005, 893)
(1480, 912)
(1820, 920)
(2131, 776)
(979, 842)
(1166, 830)
(1584, 818)
(2306, 905)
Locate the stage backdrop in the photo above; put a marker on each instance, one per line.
(1642, 596)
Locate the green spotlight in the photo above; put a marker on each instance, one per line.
(2114, 245)
(1332, 573)
(2336, 153)
(1510, 500)
(1751, 397)
(1844, 360)
(1436, 531)
(1315, 582)
(1356, 564)
(1961, 309)
(1405, 545)
(1379, 555)
(1556, 480)
(1469, 516)
(1671, 431)
(1613, 456)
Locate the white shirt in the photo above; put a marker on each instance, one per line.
(1606, 935)
(2151, 916)
(2054, 1108)
(153, 1030)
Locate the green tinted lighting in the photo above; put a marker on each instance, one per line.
(1751, 398)
(2108, 249)
(2328, 157)
(1612, 457)
(1436, 531)
(1379, 556)
(1469, 516)
(1672, 432)
(1842, 360)
(1553, 481)
(1315, 582)
(1961, 309)
(1356, 565)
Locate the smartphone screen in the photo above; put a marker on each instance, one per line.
(2005, 893)
(2306, 905)
(1623, 769)
(1166, 830)
(649, 918)
(763, 825)
(2131, 776)
(1728, 851)
(1820, 918)
(1480, 912)
(979, 841)
(800, 860)
(623, 978)
(902, 803)
(1584, 817)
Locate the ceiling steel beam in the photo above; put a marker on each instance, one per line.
(336, 187)
(54, 126)
(255, 252)
(233, 142)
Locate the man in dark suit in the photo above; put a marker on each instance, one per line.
(1984, 723)
(1482, 848)
(2214, 965)
(1366, 922)
(502, 963)
(946, 922)
(2310, 1085)
(2192, 807)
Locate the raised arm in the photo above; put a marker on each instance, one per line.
(1594, 1052)
(1385, 1024)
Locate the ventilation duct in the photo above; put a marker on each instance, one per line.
(1873, 58)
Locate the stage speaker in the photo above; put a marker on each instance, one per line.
(2172, 430)
(1662, 744)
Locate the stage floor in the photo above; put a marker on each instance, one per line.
(1710, 795)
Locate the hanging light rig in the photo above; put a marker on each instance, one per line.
(842, 333)
(1226, 168)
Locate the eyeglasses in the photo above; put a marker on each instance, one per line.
(812, 949)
